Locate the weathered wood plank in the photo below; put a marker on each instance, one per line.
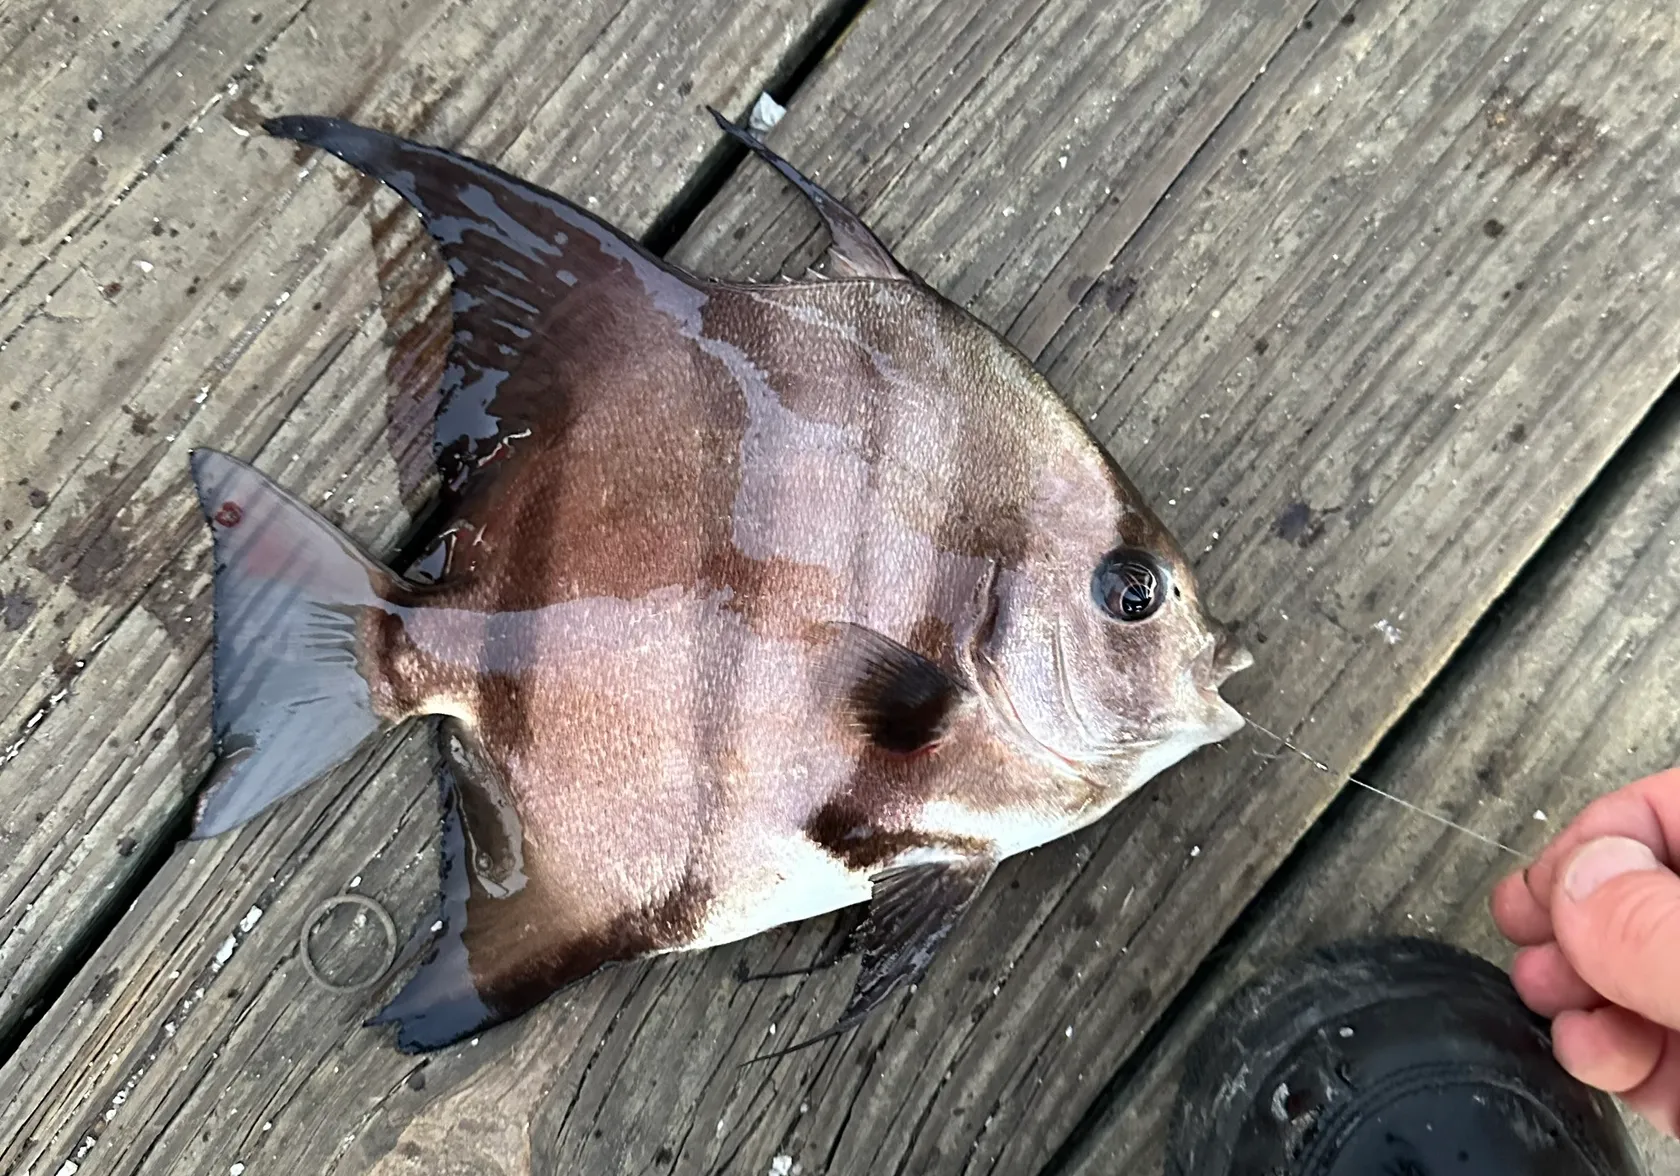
(1353, 210)
(96, 94)
(1390, 321)
(260, 321)
(60, 1106)
(1312, 207)
(1568, 695)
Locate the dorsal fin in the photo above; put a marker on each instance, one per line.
(855, 251)
(536, 278)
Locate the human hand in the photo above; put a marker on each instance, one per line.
(1598, 919)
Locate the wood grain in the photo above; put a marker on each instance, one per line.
(945, 38)
(1566, 695)
(98, 96)
(239, 295)
(1376, 338)
(1364, 307)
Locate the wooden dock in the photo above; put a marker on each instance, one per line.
(1378, 301)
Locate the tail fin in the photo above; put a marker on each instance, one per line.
(291, 700)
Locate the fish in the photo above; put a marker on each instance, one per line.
(744, 603)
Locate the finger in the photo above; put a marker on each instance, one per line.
(1520, 917)
(1658, 1097)
(1549, 984)
(1609, 1048)
(1647, 810)
(1616, 915)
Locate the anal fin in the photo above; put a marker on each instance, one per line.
(441, 1003)
(500, 949)
(508, 934)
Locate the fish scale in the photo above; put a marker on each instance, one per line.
(749, 602)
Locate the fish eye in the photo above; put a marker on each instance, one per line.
(1129, 585)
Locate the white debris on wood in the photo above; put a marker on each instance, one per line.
(1387, 629)
(781, 1166)
(766, 113)
(1280, 1103)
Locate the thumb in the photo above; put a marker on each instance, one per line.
(1616, 915)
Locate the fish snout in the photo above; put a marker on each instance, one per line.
(1226, 656)
(1223, 656)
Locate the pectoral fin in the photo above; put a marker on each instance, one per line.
(900, 700)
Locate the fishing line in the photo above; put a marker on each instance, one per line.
(1324, 767)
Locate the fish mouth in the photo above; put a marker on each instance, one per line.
(1223, 720)
(1236, 658)
(1224, 657)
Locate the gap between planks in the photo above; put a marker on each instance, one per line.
(1558, 549)
(813, 39)
(666, 228)
(838, 1138)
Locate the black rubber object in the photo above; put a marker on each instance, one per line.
(1393, 1057)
